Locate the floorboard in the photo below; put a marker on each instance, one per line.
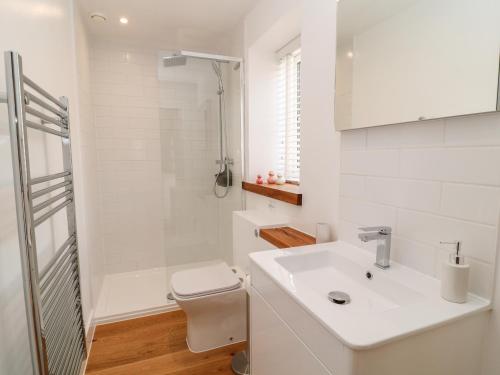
(154, 345)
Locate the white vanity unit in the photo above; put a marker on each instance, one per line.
(395, 322)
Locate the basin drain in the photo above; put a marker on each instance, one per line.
(340, 298)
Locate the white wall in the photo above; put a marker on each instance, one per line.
(315, 21)
(157, 143)
(43, 34)
(491, 360)
(433, 181)
(87, 198)
(125, 98)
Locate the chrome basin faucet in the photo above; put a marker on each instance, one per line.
(383, 237)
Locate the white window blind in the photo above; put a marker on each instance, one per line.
(288, 116)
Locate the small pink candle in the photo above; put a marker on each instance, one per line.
(271, 179)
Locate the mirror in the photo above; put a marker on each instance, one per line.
(409, 60)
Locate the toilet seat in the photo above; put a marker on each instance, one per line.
(204, 281)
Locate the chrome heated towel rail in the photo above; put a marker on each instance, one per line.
(53, 298)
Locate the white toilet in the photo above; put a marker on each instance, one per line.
(214, 297)
(214, 300)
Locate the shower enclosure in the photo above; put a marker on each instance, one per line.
(199, 102)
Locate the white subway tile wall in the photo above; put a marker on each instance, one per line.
(125, 98)
(157, 142)
(430, 181)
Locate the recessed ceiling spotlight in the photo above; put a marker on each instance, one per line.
(97, 17)
(124, 20)
(350, 54)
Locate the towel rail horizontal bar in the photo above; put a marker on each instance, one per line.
(34, 125)
(35, 99)
(50, 290)
(44, 93)
(76, 362)
(54, 290)
(53, 276)
(39, 180)
(66, 304)
(46, 118)
(60, 348)
(41, 192)
(74, 345)
(54, 333)
(73, 358)
(48, 202)
(56, 312)
(44, 217)
(48, 267)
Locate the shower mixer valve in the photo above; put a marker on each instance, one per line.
(226, 161)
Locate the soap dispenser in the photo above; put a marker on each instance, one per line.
(455, 276)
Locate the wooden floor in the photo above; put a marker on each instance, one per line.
(154, 345)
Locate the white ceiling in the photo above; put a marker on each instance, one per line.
(166, 20)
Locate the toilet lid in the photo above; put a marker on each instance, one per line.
(203, 281)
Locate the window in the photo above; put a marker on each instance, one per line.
(288, 116)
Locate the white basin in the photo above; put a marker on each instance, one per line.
(396, 322)
(395, 302)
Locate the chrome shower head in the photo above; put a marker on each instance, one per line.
(174, 60)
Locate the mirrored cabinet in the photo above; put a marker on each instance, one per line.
(409, 60)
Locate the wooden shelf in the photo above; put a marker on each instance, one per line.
(287, 193)
(285, 237)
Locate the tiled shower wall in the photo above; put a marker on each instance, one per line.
(431, 181)
(125, 94)
(156, 151)
(197, 225)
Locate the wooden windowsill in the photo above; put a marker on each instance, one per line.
(287, 193)
(285, 237)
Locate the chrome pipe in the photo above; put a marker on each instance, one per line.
(76, 364)
(63, 347)
(35, 99)
(61, 329)
(44, 117)
(57, 315)
(57, 208)
(73, 360)
(26, 230)
(44, 93)
(66, 327)
(53, 295)
(68, 243)
(39, 180)
(61, 315)
(76, 347)
(33, 125)
(39, 193)
(48, 202)
(54, 276)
